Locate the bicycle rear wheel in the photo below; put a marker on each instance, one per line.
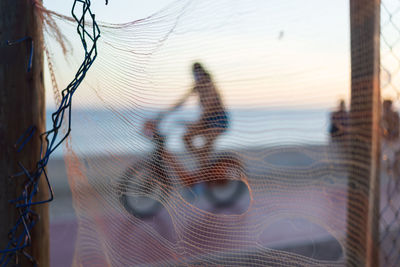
(228, 191)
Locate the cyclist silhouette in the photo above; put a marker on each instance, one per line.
(213, 120)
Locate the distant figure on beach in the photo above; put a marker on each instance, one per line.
(213, 119)
(339, 124)
(390, 122)
(390, 138)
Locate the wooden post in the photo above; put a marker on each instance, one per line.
(22, 104)
(363, 199)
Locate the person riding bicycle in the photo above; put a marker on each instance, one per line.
(213, 119)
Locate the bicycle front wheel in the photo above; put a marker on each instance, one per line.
(140, 192)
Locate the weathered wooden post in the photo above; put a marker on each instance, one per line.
(363, 199)
(22, 104)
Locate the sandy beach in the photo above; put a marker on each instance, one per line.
(305, 184)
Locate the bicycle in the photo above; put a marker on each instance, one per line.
(148, 183)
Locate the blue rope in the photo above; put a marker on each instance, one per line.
(24, 202)
(26, 38)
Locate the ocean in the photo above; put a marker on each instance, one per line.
(103, 131)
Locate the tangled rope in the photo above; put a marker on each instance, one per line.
(50, 141)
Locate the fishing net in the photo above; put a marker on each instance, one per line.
(261, 181)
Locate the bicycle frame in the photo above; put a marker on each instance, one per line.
(161, 160)
(213, 174)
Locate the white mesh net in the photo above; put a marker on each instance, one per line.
(251, 170)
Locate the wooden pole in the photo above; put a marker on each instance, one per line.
(22, 104)
(363, 190)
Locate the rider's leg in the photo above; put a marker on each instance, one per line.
(193, 130)
(210, 132)
(204, 152)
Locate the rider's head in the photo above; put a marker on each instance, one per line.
(199, 72)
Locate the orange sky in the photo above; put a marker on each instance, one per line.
(284, 54)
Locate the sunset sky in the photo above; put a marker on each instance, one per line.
(263, 53)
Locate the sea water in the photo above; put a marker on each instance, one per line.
(103, 131)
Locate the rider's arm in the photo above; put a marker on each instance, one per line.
(181, 101)
(176, 106)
